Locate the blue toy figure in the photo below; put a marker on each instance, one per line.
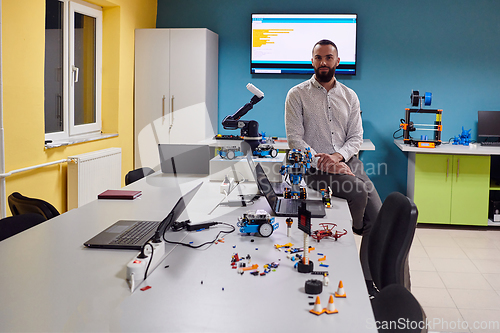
(463, 138)
(298, 164)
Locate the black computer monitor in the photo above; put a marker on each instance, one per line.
(488, 124)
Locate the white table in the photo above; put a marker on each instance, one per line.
(280, 144)
(448, 148)
(52, 283)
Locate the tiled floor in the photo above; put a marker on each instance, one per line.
(455, 275)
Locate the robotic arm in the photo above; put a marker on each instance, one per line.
(249, 128)
(232, 122)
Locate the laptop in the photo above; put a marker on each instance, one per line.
(285, 207)
(132, 235)
(184, 158)
(278, 187)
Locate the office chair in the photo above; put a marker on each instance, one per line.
(20, 204)
(13, 225)
(137, 174)
(397, 310)
(390, 241)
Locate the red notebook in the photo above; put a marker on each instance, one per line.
(119, 194)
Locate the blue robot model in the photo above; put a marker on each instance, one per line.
(257, 221)
(463, 138)
(298, 164)
(265, 148)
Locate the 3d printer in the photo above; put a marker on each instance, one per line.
(408, 126)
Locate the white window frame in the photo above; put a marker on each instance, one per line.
(69, 129)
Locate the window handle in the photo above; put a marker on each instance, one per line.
(76, 71)
(59, 110)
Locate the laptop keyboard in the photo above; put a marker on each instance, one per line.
(291, 205)
(135, 233)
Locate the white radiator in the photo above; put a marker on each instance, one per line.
(92, 173)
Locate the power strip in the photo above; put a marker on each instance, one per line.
(227, 185)
(137, 266)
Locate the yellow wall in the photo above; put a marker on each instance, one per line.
(23, 48)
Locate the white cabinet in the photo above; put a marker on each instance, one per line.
(176, 88)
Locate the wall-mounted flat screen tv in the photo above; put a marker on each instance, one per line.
(282, 43)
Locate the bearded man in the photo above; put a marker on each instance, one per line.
(324, 115)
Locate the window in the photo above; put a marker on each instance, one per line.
(73, 61)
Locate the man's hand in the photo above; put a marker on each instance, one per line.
(332, 164)
(337, 157)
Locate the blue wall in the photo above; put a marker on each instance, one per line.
(448, 47)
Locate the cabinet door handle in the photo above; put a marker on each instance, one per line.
(172, 112)
(458, 167)
(447, 167)
(163, 109)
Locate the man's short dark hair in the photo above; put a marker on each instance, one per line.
(326, 42)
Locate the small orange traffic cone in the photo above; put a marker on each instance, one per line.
(340, 291)
(330, 308)
(317, 310)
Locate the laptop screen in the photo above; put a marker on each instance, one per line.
(265, 186)
(176, 211)
(251, 164)
(184, 158)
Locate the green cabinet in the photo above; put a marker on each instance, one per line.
(452, 189)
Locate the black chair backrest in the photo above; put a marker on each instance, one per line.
(390, 240)
(12, 225)
(397, 310)
(137, 174)
(20, 204)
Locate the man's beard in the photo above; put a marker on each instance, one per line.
(326, 77)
